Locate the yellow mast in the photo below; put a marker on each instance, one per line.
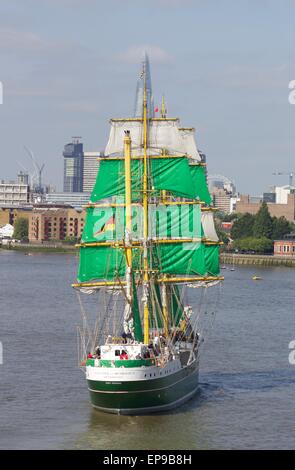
(145, 216)
(128, 201)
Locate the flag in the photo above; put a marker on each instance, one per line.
(108, 226)
(156, 109)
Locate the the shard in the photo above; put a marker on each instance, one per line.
(138, 108)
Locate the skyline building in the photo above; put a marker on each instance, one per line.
(73, 166)
(90, 169)
(138, 108)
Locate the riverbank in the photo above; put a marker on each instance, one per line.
(44, 248)
(225, 258)
(257, 260)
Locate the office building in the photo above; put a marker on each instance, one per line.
(90, 170)
(73, 166)
(76, 200)
(14, 193)
(282, 193)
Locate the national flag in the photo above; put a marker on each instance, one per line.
(156, 109)
(108, 226)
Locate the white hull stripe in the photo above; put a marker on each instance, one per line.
(140, 391)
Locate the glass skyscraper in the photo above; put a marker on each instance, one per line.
(138, 107)
(73, 167)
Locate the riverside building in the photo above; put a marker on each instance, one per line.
(285, 247)
(55, 224)
(15, 193)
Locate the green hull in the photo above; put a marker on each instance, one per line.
(145, 396)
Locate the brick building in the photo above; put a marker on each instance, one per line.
(8, 215)
(276, 210)
(53, 223)
(285, 247)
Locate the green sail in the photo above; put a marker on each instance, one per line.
(136, 315)
(108, 223)
(180, 258)
(177, 221)
(212, 259)
(106, 262)
(200, 183)
(99, 224)
(110, 180)
(172, 174)
(101, 263)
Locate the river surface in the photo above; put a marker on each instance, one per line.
(247, 386)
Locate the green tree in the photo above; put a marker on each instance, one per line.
(259, 245)
(280, 227)
(219, 215)
(21, 228)
(263, 223)
(243, 226)
(222, 235)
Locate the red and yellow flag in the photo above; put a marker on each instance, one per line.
(108, 226)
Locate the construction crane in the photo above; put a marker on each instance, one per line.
(38, 170)
(290, 174)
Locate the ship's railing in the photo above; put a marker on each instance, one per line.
(121, 362)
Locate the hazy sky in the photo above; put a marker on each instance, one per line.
(67, 66)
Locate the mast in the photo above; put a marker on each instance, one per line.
(128, 319)
(145, 216)
(163, 108)
(165, 310)
(128, 201)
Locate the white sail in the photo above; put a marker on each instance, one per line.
(163, 134)
(118, 126)
(189, 144)
(208, 226)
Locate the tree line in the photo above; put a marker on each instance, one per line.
(256, 232)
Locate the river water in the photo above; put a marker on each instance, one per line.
(247, 390)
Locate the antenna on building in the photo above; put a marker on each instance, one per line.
(38, 170)
(290, 174)
(76, 139)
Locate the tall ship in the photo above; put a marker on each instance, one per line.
(149, 236)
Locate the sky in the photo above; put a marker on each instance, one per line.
(68, 66)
